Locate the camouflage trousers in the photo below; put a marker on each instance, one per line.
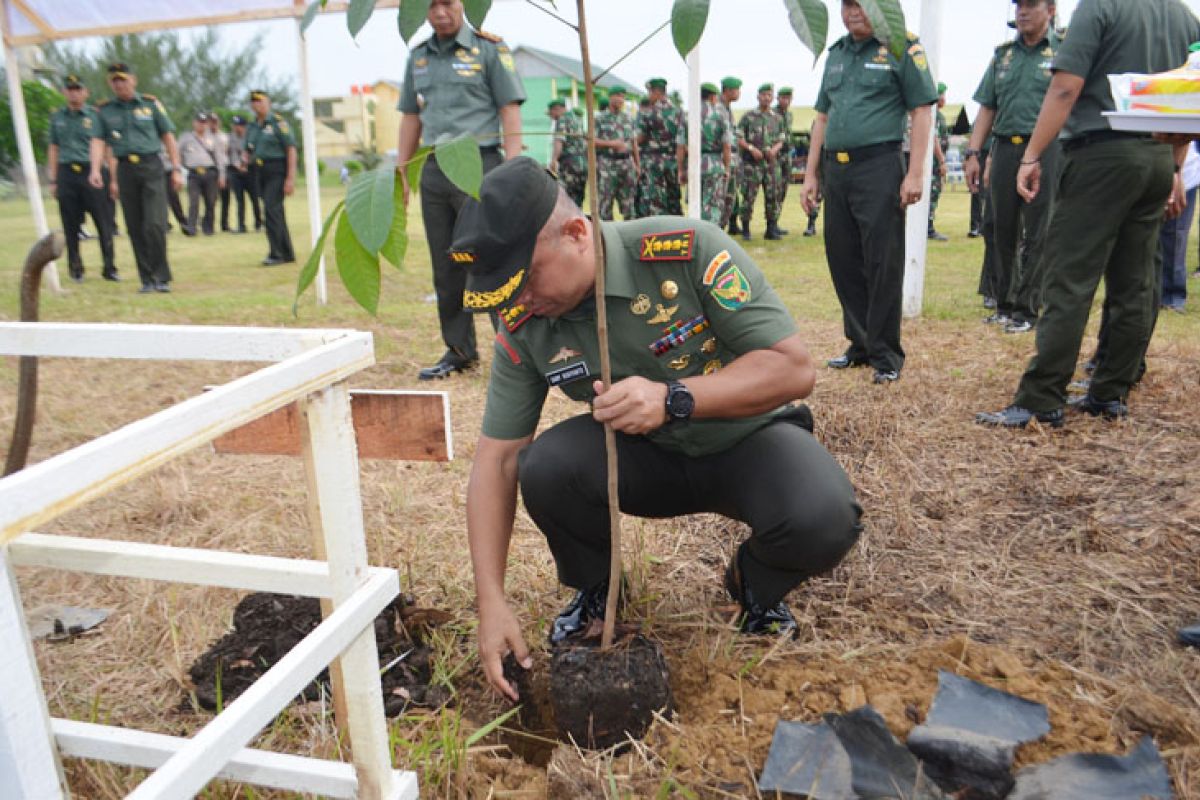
(618, 180)
(935, 192)
(572, 174)
(658, 186)
(713, 180)
(757, 174)
(732, 207)
(784, 173)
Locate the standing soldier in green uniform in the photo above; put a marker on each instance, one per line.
(73, 128)
(855, 158)
(705, 363)
(617, 157)
(731, 90)
(569, 158)
(136, 127)
(270, 143)
(459, 82)
(1010, 97)
(660, 130)
(1108, 210)
(938, 178)
(716, 150)
(783, 110)
(761, 143)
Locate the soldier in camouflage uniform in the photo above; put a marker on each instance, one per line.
(938, 178)
(716, 150)
(783, 109)
(731, 90)
(660, 131)
(760, 145)
(616, 157)
(569, 158)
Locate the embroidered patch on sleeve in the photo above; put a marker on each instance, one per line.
(719, 261)
(667, 246)
(732, 290)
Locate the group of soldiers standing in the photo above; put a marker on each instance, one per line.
(642, 157)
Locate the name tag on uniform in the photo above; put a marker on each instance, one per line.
(887, 67)
(568, 374)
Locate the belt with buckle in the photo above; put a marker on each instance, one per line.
(258, 161)
(861, 153)
(76, 167)
(199, 170)
(1096, 137)
(133, 158)
(1014, 140)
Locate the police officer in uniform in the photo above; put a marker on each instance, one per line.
(468, 85)
(135, 127)
(203, 156)
(855, 157)
(617, 157)
(1010, 97)
(73, 128)
(568, 159)
(761, 142)
(240, 177)
(272, 146)
(731, 90)
(705, 362)
(1108, 210)
(783, 110)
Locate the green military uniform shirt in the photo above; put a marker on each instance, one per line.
(1112, 37)
(1015, 84)
(569, 130)
(135, 127)
(464, 82)
(73, 132)
(866, 91)
(760, 129)
(683, 299)
(269, 139)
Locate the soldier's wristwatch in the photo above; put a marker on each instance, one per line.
(968, 152)
(680, 402)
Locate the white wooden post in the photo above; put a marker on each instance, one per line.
(335, 506)
(312, 175)
(29, 765)
(695, 121)
(33, 187)
(916, 227)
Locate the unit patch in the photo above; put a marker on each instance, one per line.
(670, 246)
(732, 290)
(568, 374)
(716, 265)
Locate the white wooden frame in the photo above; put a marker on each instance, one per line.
(311, 367)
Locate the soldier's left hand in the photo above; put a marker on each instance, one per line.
(289, 186)
(177, 180)
(910, 191)
(1177, 202)
(634, 405)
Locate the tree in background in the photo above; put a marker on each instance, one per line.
(40, 102)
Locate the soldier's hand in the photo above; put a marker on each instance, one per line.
(810, 195)
(634, 405)
(499, 634)
(1177, 202)
(942, 170)
(971, 174)
(113, 191)
(910, 191)
(683, 177)
(289, 186)
(1029, 180)
(177, 180)
(95, 180)
(220, 183)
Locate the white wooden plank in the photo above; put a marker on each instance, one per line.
(194, 765)
(259, 767)
(404, 786)
(177, 564)
(169, 342)
(41, 492)
(29, 765)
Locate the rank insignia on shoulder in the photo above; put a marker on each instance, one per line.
(732, 290)
(462, 257)
(491, 37)
(514, 317)
(668, 246)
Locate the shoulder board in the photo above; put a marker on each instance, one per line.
(1000, 48)
(912, 37)
(150, 97)
(667, 246)
(514, 317)
(491, 37)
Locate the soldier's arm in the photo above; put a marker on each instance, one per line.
(52, 159)
(1056, 109)
(410, 136)
(289, 183)
(811, 192)
(510, 124)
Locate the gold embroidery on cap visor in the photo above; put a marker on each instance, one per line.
(485, 301)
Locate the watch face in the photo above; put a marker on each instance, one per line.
(680, 402)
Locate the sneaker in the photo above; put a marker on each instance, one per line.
(1109, 409)
(845, 362)
(147, 288)
(989, 303)
(163, 287)
(885, 376)
(1016, 416)
(586, 606)
(1018, 326)
(755, 618)
(937, 237)
(999, 318)
(810, 231)
(974, 233)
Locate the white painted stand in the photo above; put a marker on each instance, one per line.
(312, 367)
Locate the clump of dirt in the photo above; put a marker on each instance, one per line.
(267, 626)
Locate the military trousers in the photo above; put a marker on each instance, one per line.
(75, 197)
(658, 185)
(441, 202)
(783, 174)
(142, 186)
(732, 207)
(779, 480)
(1020, 229)
(202, 186)
(756, 174)
(572, 174)
(1105, 224)
(617, 177)
(272, 174)
(713, 179)
(864, 244)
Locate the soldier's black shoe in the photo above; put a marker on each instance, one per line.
(781, 231)
(112, 276)
(583, 608)
(974, 233)
(989, 302)
(1109, 409)
(811, 230)
(147, 288)
(273, 261)
(938, 237)
(845, 362)
(746, 231)
(755, 617)
(885, 376)
(734, 230)
(1016, 416)
(163, 287)
(450, 363)
(1189, 636)
(772, 234)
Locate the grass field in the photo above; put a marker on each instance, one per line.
(1054, 564)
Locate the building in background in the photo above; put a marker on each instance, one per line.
(364, 119)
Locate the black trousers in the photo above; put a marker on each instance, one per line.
(441, 201)
(989, 282)
(1020, 229)
(76, 196)
(864, 243)
(795, 497)
(143, 187)
(223, 194)
(250, 182)
(202, 187)
(271, 176)
(172, 200)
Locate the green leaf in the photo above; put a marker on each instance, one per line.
(414, 166)
(491, 726)
(358, 268)
(309, 272)
(370, 205)
(476, 11)
(412, 16)
(310, 14)
(357, 15)
(688, 18)
(810, 21)
(887, 20)
(460, 161)
(397, 242)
